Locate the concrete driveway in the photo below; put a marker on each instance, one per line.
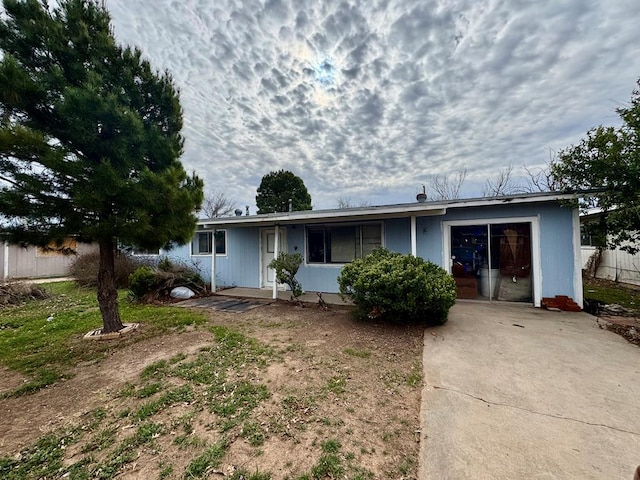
(514, 392)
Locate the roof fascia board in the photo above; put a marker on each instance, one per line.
(343, 217)
(375, 213)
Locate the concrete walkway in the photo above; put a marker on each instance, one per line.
(267, 294)
(514, 392)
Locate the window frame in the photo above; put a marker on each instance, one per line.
(195, 242)
(588, 239)
(324, 227)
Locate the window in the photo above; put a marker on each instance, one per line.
(342, 243)
(201, 244)
(588, 238)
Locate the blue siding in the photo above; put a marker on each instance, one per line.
(179, 253)
(556, 247)
(429, 238)
(239, 267)
(295, 239)
(397, 235)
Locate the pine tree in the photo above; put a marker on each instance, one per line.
(90, 139)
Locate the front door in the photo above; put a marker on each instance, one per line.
(267, 240)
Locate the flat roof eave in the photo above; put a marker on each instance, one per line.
(377, 212)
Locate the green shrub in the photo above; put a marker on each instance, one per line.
(142, 281)
(398, 287)
(151, 283)
(84, 269)
(286, 266)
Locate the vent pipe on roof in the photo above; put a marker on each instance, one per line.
(290, 205)
(246, 207)
(238, 212)
(422, 196)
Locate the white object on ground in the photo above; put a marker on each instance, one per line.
(182, 293)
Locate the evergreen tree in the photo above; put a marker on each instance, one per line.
(277, 188)
(89, 139)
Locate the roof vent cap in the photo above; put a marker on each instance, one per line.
(422, 196)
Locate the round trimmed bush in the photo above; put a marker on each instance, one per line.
(399, 287)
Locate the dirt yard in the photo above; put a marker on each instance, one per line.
(277, 392)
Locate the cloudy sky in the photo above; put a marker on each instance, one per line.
(370, 99)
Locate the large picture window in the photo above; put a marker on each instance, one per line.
(201, 244)
(342, 243)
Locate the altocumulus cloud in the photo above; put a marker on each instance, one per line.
(371, 99)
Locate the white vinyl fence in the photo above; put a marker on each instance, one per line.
(615, 265)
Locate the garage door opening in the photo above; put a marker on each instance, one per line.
(492, 261)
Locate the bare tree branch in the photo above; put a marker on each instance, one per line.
(447, 187)
(345, 202)
(217, 204)
(541, 179)
(503, 184)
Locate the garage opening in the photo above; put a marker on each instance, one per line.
(492, 261)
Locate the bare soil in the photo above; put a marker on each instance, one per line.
(332, 377)
(623, 321)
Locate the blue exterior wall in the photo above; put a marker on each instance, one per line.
(397, 235)
(241, 265)
(556, 239)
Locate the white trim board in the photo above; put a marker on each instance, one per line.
(577, 260)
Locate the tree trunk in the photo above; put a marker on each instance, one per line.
(107, 292)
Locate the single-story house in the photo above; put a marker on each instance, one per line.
(510, 248)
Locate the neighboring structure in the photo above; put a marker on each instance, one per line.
(610, 264)
(511, 248)
(32, 262)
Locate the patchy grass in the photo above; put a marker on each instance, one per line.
(177, 395)
(215, 380)
(414, 377)
(210, 458)
(611, 292)
(334, 463)
(43, 460)
(245, 399)
(356, 352)
(337, 384)
(43, 338)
